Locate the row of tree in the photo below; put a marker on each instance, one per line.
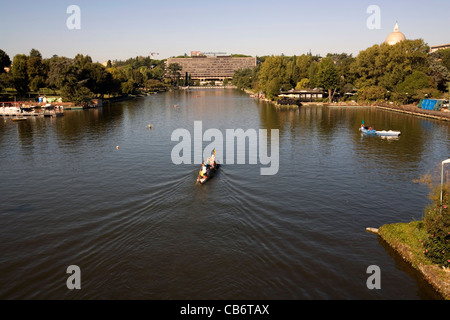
(80, 79)
(404, 72)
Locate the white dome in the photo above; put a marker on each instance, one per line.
(395, 37)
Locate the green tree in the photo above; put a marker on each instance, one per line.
(303, 84)
(58, 69)
(37, 73)
(313, 74)
(327, 76)
(443, 56)
(155, 85)
(364, 68)
(415, 87)
(273, 76)
(436, 222)
(117, 78)
(303, 64)
(343, 63)
(35, 54)
(20, 74)
(242, 79)
(100, 80)
(5, 80)
(156, 73)
(439, 72)
(375, 93)
(129, 87)
(79, 95)
(5, 61)
(174, 72)
(82, 62)
(415, 81)
(138, 78)
(293, 71)
(386, 66)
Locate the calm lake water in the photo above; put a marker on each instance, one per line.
(139, 227)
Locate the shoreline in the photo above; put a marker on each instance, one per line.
(410, 109)
(406, 109)
(437, 277)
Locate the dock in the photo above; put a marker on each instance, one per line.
(16, 109)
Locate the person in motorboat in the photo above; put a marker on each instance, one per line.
(202, 172)
(212, 161)
(208, 167)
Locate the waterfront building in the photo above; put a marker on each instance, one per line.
(211, 68)
(440, 47)
(395, 37)
(302, 95)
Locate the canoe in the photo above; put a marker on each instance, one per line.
(209, 174)
(384, 133)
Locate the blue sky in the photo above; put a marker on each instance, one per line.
(118, 29)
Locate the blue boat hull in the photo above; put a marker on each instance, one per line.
(384, 133)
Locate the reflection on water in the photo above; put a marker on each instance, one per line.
(139, 227)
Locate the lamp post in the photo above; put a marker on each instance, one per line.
(442, 176)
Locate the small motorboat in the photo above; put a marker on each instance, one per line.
(211, 167)
(18, 119)
(384, 133)
(210, 172)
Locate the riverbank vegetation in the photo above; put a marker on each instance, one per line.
(425, 243)
(403, 73)
(78, 79)
(436, 222)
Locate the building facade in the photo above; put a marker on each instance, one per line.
(440, 47)
(206, 68)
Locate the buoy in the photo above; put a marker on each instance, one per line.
(149, 126)
(117, 147)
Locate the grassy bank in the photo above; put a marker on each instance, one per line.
(407, 239)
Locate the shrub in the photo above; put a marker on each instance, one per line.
(371, 94)
(436, 222)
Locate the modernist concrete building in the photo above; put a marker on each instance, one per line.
(212, 68)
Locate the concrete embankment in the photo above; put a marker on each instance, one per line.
(415, 111)
(443, 115)
(406, 109)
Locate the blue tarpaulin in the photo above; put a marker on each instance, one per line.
(430, 104)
